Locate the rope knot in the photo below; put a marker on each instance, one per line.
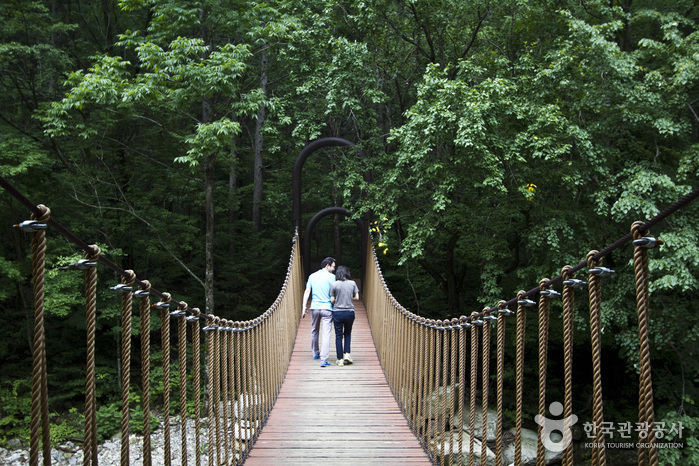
(145, 285)
(183, 306)
(129, 278)
(565, 272)
(636, 231)
(544, 283)
(44, 216)
(93, 254)
(590, 259)
(167, 298)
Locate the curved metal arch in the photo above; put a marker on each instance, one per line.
(298, 170)
(363, 228)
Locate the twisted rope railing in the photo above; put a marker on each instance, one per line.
(427, 392)
(245, 366)
(241, 392)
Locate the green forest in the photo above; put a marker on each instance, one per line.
(505, 139)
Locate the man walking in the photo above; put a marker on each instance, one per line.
(318, 286)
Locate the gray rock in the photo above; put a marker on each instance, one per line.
(491, 422)
(448, 450)
(529, 448)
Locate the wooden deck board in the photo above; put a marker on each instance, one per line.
(344, 413)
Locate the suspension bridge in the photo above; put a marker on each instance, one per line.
(419, 391)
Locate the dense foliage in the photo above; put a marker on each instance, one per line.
(505, 139)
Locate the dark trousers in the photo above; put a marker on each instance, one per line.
(343, 321)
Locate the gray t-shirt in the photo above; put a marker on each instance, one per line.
(343, 291)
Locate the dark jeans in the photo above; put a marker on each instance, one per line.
(343, 321)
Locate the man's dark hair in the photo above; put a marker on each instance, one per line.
(342, 273)
(327, 261)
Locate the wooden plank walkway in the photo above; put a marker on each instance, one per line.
(336, 415)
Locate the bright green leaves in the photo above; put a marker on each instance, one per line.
(209, 138)
(339, 88)
(177, 78)
(676, 266)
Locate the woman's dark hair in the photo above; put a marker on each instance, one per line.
(342, 273)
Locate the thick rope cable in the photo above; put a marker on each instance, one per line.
(39, 426)
(210, 394)
(431, 366)
(485, 385)
(231, 391)
(441, 382)
(256, 377)
(398, 348)
(595, 292)
(144, 314)
(90, 442)
(463, 320)
(414, 348)
(165, 339)
(215, 422)
(453, 349)
(681, 203)
(182, 363)
(126, 315)
(405, 373)
(422, 382)
(568, 318)
(226, 335)
(265, 363)
(519, 374)
(263, 371)
(500, 382)
(196, 382)
(472, 400)
(646, 415)
(544, 304)
(245, 393)
(239, 388)
(37, 211)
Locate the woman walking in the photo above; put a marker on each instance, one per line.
(342, 291)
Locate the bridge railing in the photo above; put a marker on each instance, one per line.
(439, 369)
(238, 378)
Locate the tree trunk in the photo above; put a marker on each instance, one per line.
(209, 176)
(338, 238)
(232, 196)
(209, 209)
(258, 165)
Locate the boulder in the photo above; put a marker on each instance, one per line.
(529, 448)
(435, 405)
(453, 450)
(243, 432)
(491, 422)
(249, 406)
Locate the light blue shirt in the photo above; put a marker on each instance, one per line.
(320, 283)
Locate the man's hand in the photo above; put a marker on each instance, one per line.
(304, 313)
